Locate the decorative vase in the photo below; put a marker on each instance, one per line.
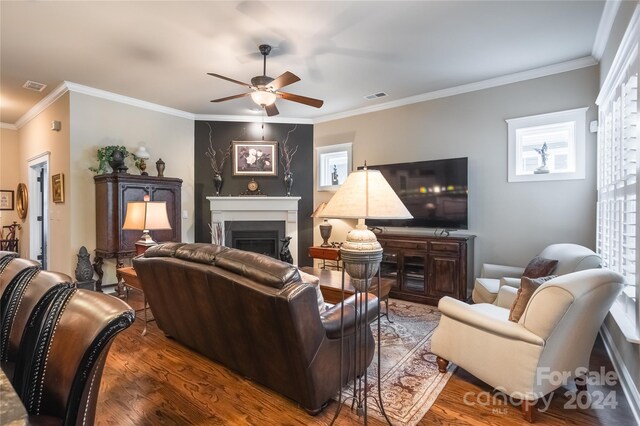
(160, 167)
(217, 182)
(117, 162)
(325, 233)
(288, 182)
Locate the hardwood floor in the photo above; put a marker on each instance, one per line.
(153, 380)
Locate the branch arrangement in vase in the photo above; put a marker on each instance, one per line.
(213, 155)
(286, 153)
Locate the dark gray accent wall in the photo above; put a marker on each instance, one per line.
(222, 133)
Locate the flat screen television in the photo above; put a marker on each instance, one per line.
(435, 193)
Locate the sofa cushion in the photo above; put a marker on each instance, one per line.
(485, 290)
(540, 267)
(200, 252)
(163, 250)
(527, 287)
(257, 267)
(315, 282)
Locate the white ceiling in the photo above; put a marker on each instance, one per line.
(160, 52)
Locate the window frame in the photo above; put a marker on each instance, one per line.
(323, 172)
(514, 125)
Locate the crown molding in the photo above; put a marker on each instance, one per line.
(7, 126)
(44, 103)
(252, 119)
(452, 91)
(103, 94)
(575, 64)
(604, 28)
(627, 52)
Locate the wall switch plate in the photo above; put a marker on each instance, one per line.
(593, 126)
(185, 214)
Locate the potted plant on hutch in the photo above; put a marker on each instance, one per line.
(112, 157)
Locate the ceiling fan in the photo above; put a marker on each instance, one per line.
(265, 90)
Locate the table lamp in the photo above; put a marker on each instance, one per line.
(143, 155)
(325, 226)
(146, 216)
(364, 195)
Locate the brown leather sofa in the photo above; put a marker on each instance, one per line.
(253, 314)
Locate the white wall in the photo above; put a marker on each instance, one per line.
(513, 221)
(98, 122)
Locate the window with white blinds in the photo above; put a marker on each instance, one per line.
(617, 176)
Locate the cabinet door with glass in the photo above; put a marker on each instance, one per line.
(413, 269)
(389, 266)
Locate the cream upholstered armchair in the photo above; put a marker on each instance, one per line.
(570, 257)
(556, 333)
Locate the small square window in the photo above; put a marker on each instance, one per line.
(334, 165)
(547, 146)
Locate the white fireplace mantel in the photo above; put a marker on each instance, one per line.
(259, 208)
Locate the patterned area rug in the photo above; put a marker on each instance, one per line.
(410, 378)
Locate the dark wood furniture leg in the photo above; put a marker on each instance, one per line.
(120, 284)
(528, 410)
(97, 267)
(442, 364)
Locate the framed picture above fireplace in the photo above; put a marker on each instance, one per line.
(255, 158)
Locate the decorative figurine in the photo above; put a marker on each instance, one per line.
(84, 270)
(285, 254)
(543, 155)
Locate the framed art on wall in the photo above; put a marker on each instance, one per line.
(6, 200)
(57, 186)
(334, 165)
(255, 158)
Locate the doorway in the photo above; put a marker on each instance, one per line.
(39, 209)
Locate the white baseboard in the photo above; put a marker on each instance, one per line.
(626, 382)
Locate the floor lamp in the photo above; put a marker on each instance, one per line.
(364, 195)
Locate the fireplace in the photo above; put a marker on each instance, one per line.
(228, 210)
(257, 236)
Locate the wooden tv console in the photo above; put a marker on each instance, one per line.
(427, 268)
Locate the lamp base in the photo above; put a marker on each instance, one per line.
(144, 242)
(361, 255)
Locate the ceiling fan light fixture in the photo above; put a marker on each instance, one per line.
(263, 97)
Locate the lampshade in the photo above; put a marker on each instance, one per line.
(263, 97)
(146, 215)
(366, 194)
(142, 153)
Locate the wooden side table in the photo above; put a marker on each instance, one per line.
(130, 280)
(326, 253)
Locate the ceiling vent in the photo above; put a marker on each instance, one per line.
(34, 85)
(375, 96)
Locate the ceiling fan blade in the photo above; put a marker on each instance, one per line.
(272, 110)
(230, 79)
(300, 99)
(284, 80)
(228, 98)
